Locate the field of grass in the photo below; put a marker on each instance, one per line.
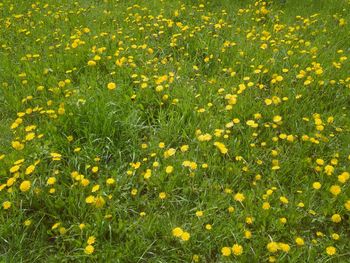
(174, 131)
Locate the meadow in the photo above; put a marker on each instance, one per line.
(174, 131)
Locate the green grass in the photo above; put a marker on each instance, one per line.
(175, 64)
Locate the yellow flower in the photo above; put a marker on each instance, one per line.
(169, 152)
(347, 205)
(299, 241)
(110, 181)
(169, 169)
(272, 247)
(99, 202)
(162, 195)
(91, 63)
(335, 190)
(336, 218)
(185, 236)
(111, 85)
(94, 169)
(331, 250)
(284, 247)
(237, 250)
(51, 180)
(6, 205)
(56, 156)
(89, 249)
(14, 168)
(91, 240)
(30, 169)
(226, 251)
(316, 185)
(184, 148)
(247, 234)
(266, 206)
(284, 200)
(25, 186)
(277, 118)
(177, 232)
(17, 145)
(28, 222)
(90, 199)
(222, 148)
(239, 197)
(199, 213)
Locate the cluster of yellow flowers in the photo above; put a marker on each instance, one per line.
(169, 108)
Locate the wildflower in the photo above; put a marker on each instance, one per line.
(177, 232)
(90, 199)
(284, 247)
(266, 206)
(237, 250)
(162, 195)
(316, 185)
(299, 241)
(89, 249)
(17, 145)
(91, 240)
(185, 236)
(199, 213)
(99, 202)
(51, 181)
(169, 169)
(110, 181)
(226, 251)
(331, 250)
(239, 197)
(6, 205)
(272, 247)
(335, 190)
(111, 85)
(336, 218)
(222, 148)
(25, 186)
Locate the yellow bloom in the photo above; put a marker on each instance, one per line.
(331, 250)
(6, 205)
(111, 86)
(266, 206)
(226, 251)
(316, 185)
(335, 190)
(90, 199)
(91, 240)
(222, 148)
(99, 202)
(177, 232)
(185, 236)
(51, 180)
(162, 195)
(239, 197)
(110, 181)
(169, 169)
(284, 247)
(347, 205)
(89, 249)
(17, 145)
(336, 218)
(272, 247)
(237, 250)
(30, 169)
(299, 241)
(91, 63)
(25, 186)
